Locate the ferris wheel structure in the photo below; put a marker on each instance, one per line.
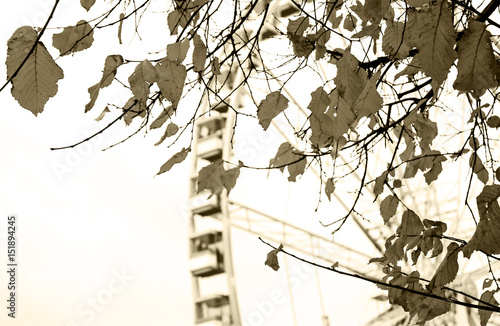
(212, 218)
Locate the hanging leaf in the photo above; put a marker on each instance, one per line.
(297, 26)
(287, 158)
(142, 78)
(120, 25)
(171, 130)
(74, 38)
(350, 79)
(393, 42)
(103, 113)
(369, 101)
(162, 118)
(322, 126)
(199, 54)
(478, 168)
(379, 183)
(230, 176)
(270, 107)
(341, 115)
(487, 283)
(215, 178)
(177, 158)
(487, 235)
(484, 315)
(36, 81)
(272, 258)
(448, 269)
(176, 19)
(178, 51)
(329, 188)
(171, 77)
(87, 4)
(110, 68)
(388, 207)
(476, 61)
(436, 42)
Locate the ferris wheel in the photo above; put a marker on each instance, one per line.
(214, 217)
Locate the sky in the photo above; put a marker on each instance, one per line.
(101, 241)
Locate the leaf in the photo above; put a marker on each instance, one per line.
(335, 265)
(321, 123)
(272, 258)
(436, 42)
(350, 79)
(176, 159)
(74, 38)
(111, 65)
(176, 19)
(297, 26)
(478, 168)
(178, 51)
(215, 178)
(120, 25)
(36, 81)
(162, 118)
(379, 183)
(436, 169)
(133, 109)
(215, 67)
(487, 235)
(286, 158)
(329, 188)
(142, 78)
(101, 116)
(392, 41)
(302, 46)
(388, 207)
(270, 107)
(87, 4)
(230, 176)
(476, 61)
(369, 101)
(171, 130)
(493, 121)
(350, 22)
(171, 77)
(199, 54)
(448, 269)
(487, 283)
(484, 315)
(411, 225)
(341, 115)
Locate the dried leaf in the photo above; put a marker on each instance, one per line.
(177, 158)
(178, 51)
(487, 235)
(36, 81)
(215, 178)
(110, 67)
(171, 77)
(476, 61)
(141, 80)
(162, 118)
(101, 116)
(388, 207)
(329, 188)
(448, 269)
(87, 4)
(171, 130)
(287, 158)
(199, 54)
(484, 315)
(478, 168)
(272, 258)
(270, 107)
(74, 38)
